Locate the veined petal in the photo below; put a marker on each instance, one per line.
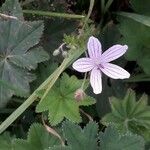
(114, 71)
(83, 65)
(94, 47)
(114, 52)
(96, 80)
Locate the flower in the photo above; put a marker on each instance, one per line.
(98, 63)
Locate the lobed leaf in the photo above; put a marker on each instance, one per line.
(129, 114)
(111, 139)
(80, 139)
(60, 101)
(17, 55)
(38, 139)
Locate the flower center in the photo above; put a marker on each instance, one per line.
(98, 63)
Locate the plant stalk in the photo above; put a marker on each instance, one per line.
(53, 14)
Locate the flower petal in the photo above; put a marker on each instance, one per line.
(114, 52)
(94, 47)
(83, 65)
(96, 80)
(114, 71)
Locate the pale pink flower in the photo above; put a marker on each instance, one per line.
(97, 63)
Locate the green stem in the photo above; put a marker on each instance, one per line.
(53, 14)
(102, 6)
(108, 4)
(17, 113)
(89, 13)
(26, 2)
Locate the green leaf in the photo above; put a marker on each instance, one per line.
(139, 18)
(139, 78)
(13, 8)
(60, 101)
(129, 114)
(138, 43)
(30, 59)
(79, 139)
(111, 139)
(38, 139)
(6, 141)
(141, 6)
(16, 53)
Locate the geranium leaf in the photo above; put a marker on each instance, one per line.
(60, 101)
(38, 139)
(111, 139)
(129, 114)
(79, 139)
(17, 56)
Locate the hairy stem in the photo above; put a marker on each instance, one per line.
(53, 14)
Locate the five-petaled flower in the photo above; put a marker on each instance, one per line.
(97, 63)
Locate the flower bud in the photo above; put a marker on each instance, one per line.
(79, 95)
(56, 52)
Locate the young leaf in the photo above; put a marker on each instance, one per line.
(60, 101)
(80, 139)
(129, 114)
(17, 56)
(38, 139)
(111, 139)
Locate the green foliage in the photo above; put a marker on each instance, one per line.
(145, 20)
(141, 7)
(138, 42)
(76, 139)
(17, 55)
(43, 72)
(6, 141)
(80, 139)
(60, 101)
(38, 139)
(111, 139)
(129, 114)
